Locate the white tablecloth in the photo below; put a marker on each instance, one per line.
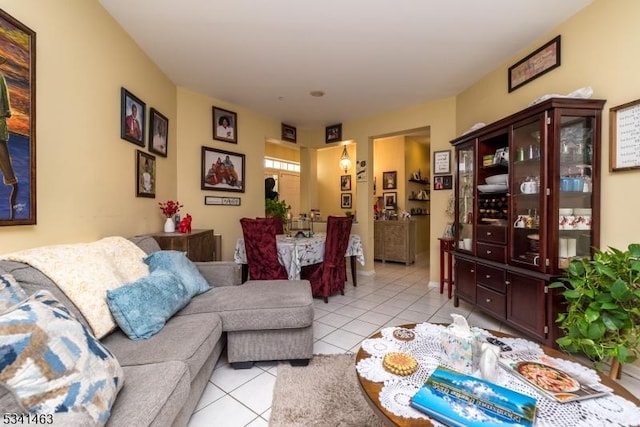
(296, 252)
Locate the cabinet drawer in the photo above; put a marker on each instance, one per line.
(492, 252)
(491, 300)
(491, 277)
(492, 234)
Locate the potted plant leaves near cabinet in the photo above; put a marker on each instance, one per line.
(602, 317)
(276, 208)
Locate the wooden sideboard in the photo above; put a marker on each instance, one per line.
(199, 244)
(395, 241)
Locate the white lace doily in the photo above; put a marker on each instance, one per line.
(609, 410)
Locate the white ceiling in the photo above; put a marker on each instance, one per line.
(368, 56)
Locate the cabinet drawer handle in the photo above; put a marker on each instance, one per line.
(487, 276)
(506, 282)
(488, 252)
(488, 233)
(472, 271)
(488, 299)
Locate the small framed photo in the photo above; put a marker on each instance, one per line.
(333, 133)
(158, 132)
(289, 133)
(345, 183)
(389, 180)
(444, 182)
(222, 170)
(132, 116)
(442, 162)
(225, 125)
(145, 175)
(390, 200)
(345, 200)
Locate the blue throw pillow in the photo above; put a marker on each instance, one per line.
(53, 365)
(142, 308)
(177, 263)
(10, 292)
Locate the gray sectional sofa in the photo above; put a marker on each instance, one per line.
(165, 375)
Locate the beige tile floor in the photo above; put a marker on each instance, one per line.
(395, 295)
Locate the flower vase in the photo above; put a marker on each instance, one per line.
(169, 226)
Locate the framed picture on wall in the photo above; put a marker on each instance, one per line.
(345, 200)
(443, 182)
(389, 180)
(132, 114)
(333, 133)
(390, 200)
(145, 175)
(442, 162)
(225, 125)
(18, 139)
(345, 183)
(222, 170)
(158, 132)
(288, 133)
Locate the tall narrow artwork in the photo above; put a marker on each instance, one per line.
(17, 122)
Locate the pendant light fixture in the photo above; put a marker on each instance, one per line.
(345, 161)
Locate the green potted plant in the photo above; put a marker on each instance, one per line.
(602, 317)
(276, 208)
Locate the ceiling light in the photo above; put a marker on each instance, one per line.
(317, 93)
(345, 161)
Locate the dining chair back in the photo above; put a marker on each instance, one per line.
(277, 223)
(262, 251)
(329, 276)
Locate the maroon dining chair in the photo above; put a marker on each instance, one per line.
(262, 251)
(277, 223)
(329, 276)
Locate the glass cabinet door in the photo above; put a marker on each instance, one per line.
(465, 190)
(574, 149)
(527, 195)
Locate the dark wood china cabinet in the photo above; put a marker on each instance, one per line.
(527, 202)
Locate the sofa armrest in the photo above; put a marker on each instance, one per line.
(220, 273)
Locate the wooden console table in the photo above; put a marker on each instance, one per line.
(199, 244)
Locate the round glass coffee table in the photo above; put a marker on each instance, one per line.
(371, 390)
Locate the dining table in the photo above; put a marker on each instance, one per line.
(297, 252)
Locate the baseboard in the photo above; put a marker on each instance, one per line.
(433, 284)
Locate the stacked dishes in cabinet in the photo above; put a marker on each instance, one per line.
(572, 244)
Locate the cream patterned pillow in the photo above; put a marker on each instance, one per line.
(53, 365)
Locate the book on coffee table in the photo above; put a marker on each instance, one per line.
(461, 400)
(548, 378)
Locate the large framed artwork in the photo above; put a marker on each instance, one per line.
(534, 65)
(222, 170)
(17, 122)
(132, 114)
(225, 125)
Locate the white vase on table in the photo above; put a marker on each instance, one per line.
(169, 226)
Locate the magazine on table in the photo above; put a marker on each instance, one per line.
(461, 400)
(548, 377)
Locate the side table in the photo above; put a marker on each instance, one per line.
(199, 244)
(446, 257)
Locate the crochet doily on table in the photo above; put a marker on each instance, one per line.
(609, 410)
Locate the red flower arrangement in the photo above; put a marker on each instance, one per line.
(170, 208)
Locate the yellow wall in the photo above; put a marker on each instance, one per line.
(388, 156)
(85, 172)
(282, 151)
(328, 180)
(599, 49)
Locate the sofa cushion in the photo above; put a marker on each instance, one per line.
(141, 308)
(177, 263)
(190, 339)
(258, 305)
(147, 243)
(52, 363)
(10, 292)
(153, 395)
